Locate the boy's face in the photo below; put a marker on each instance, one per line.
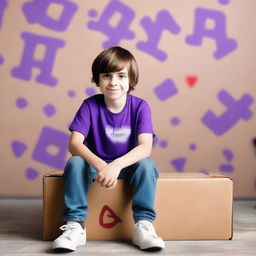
(114, 85)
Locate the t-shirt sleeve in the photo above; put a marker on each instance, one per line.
(145, 120)
(81, 122)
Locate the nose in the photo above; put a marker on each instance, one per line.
(114, 80)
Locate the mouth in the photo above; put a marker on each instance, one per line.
(112, 90)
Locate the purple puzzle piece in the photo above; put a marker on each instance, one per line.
(3, 6)
(21, 103)
(166, 90)
(226, 168)
(18, 148)
(49, 110)
(236, 110)
(228, 154)
(154, 30)
(36, 12)
(218, 33)
(179, 164)
(31, 174)
(90, 91)
(163, 143)
(45, 65)
(175, 121)
(51, 138)
(118, 32)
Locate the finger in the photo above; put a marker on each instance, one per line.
(105, 182)
(110, 184)
(100, 178)
(113, 184)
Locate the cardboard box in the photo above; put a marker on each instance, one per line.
(189, 207)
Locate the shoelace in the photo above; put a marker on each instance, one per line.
(68, 229)
(146, 229)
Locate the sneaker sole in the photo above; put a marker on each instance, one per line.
(64, 248)
(153, 249)
(150, 248)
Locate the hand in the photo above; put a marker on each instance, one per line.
(107, 176)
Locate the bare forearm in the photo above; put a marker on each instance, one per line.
(78, 149)
(135, 155)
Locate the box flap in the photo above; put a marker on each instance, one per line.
(56, 173)
(191, 175)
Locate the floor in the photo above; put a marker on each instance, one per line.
(21, 221)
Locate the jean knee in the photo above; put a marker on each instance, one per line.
(78, 168)
(76, 160)
(75, 165)
(147, 168)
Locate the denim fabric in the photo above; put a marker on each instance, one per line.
(79, 175)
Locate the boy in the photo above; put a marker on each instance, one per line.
(111, 138)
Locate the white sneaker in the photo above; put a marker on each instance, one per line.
(74, 235)
(145, 236)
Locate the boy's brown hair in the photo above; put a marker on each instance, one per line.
(115, 59)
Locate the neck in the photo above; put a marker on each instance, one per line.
(116, 105)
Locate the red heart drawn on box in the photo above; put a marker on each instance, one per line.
(191, 81)
(109, 213)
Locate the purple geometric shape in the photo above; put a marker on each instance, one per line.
(165, 90)
(29, 62)
(71, 93)
(218, 33)
(179, 163)
(51, 137)
(154, 30)
(31, 174)
(18, 148)
(36, 13)
(21, 103)
(3, 6)
(175, 121)
(90, 91)
(192, 147)
(224, 2)
(92, 13)
(235, 111)
(119, 31)
(228, 154)
(1, 60)
(163, 143)
(227, 168)
(49, 110)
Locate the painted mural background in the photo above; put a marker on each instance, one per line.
(197, 71)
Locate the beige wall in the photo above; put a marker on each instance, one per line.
(197, 71)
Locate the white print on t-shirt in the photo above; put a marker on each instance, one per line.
(120, 135)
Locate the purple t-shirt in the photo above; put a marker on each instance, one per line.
(111, 135)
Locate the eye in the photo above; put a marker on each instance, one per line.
(122, 76)
(106, 75)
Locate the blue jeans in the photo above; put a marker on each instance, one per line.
(79, 175)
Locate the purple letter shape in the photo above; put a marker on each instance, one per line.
(121, 30)
(218, 33)
(51, 137)
(36, 12)
(164, 21)
(3, 5)
(45, 65)
(236, 110)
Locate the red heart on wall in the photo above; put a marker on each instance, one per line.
(191, 81)
(110, 214)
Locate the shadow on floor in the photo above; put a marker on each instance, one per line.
(22, 219)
